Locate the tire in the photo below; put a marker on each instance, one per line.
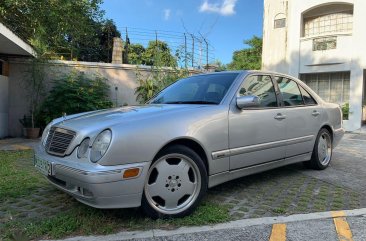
(322, 152)
(175, 184)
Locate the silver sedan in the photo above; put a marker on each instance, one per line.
(195, 134)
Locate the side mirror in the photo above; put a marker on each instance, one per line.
(248, 101)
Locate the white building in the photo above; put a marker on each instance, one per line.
(10, 46)
(323, 43)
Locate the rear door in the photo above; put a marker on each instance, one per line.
(256, 135)
(303, 117)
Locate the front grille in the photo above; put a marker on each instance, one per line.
(58, 141)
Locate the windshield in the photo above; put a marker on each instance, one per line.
(200, 89)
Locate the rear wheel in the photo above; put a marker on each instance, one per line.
(322, 153)
(175, 184)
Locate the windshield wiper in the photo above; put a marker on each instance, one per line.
(193, 102)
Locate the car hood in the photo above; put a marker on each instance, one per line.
(97, 120)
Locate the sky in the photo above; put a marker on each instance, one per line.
(224, 23)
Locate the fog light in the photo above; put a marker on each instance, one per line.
(130, 173)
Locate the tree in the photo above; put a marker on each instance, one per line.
(68, 27)
(158, 53)
(249, 58)
(108, 32)
(136, 53)
(219, 66)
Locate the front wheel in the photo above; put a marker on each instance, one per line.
(322, 153)
(175, 183)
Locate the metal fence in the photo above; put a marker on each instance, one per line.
(195, 50)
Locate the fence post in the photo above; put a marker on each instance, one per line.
(126, 48)
(185, 50)
(192, 50)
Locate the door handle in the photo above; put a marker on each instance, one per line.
(315, 113)
(279, 116)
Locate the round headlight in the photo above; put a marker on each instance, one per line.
(83, 148)
(100, 145)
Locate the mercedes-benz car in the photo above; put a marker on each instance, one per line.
(199, 132)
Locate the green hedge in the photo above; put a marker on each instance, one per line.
(75, 93)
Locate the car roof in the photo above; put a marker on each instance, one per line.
(250, 72)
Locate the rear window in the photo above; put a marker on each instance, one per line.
(308, 99)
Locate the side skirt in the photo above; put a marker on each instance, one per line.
(219, 178)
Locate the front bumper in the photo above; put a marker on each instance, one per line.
(95, 185)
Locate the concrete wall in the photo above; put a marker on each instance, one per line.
(299, 57)
(4, 85)
(120, 76)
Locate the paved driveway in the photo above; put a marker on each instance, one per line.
(348, 165)
(295, 189)
(284, 191)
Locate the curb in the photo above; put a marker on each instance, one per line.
(229, 225)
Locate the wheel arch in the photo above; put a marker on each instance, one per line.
(190, 143)
(328, 128)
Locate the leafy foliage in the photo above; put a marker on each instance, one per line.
(219, 66)
(345, 111)
(70, 27)
(249, 58)
(75, 93)
(157, 79)
(136, 54)
(35, 83)
(157, 53)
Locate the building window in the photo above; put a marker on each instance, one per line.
(332, 87)
(340, 22)
(320, 44)
(280, 23)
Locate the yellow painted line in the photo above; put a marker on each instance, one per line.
(20, 147)
(336, 214)
(278, 232)
(342, 227)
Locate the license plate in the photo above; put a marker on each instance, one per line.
(45, 167)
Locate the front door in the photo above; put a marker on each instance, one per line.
(257, 134)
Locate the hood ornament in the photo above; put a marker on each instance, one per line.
(64, 117)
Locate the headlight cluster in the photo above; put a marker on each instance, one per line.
(99, 147)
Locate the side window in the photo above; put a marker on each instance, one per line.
(261, 86)
(308, 99)
(290, 92)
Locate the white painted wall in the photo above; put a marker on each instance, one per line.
(4, 86)
(295, 55)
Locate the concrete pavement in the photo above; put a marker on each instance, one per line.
(17, 144)
(341, 225)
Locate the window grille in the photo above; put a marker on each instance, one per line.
(321, 44)
(332, 87)
(280, 23)
(329, 23)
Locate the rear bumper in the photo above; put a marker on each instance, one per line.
(95, 185)
(337, 136)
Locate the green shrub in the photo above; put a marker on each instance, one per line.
(75, 93)
(345, 111)
(158, 79)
